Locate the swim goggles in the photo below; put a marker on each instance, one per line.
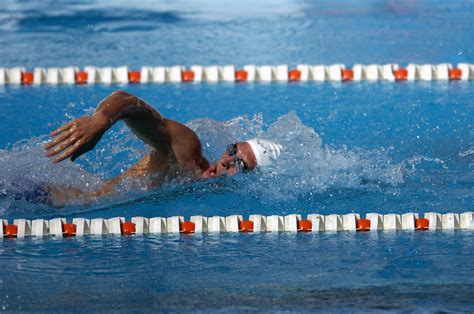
(239, 163)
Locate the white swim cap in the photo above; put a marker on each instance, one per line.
(266, 152)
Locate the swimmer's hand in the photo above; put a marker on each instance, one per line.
(76, 137)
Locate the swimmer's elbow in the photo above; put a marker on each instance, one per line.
(123, 97)
(120, 92)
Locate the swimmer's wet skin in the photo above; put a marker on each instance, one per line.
(176, 150)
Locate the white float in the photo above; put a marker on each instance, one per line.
(373, 72)
(387, 72)
(291, 222)
(200, 224)
(3, 223)
(349, 222)
(157, 225)
(392, 222)
(412, 72)
(251, 72)
(259, 223)
(264, 73)
(120, 75)
(39, 228)
(211, 74)
(304, 72)
(333, 223)
(466, 70)
(275, 223)
(173, 224)
(106, 75)
(216, 224)
(24, 227)
(92, 74)
(334, 72)
(281, 73)
(441, 71)
(98, 227)
(174, 74)
(317, 222)
(141, 225)
(13, 75)
(466, 220)
(198, 73)
(56, 227)
(39, 76)
(3, 78)
(435, 220)
(159, 75)
(450, 221)
(114, 225)
(318, 73)
(68, 75)
(232, 223)
(376, 221)
(83, 226)
(146, 75)
(228, 73)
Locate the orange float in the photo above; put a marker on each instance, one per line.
(422, 224)
(27, 78)
(400, 74)
(246, 226)
(294, 75)
(347, 75)
(455, 74)
(81, 77)
(128, 228)
(187, 76)
(304, 225)
(241, 75)
(134, 77)
(10, 231)
(188, 227)
(363, 224)
(69, 230)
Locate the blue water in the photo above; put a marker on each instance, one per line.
(362, 147)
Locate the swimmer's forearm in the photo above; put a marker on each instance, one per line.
(121, 106)
(80, 135)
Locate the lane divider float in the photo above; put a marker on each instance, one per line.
(229, 73)
(78, 227)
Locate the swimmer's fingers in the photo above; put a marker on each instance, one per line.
(62, 128)
(62, 146)
(68, 152)
(58, 139)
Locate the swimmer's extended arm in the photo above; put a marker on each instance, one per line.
(81, 135)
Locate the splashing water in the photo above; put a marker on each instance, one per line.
(305, 165)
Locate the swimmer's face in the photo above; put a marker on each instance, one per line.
(237, 157)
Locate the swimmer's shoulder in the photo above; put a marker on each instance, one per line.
(185, 143)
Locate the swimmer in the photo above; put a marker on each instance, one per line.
(176, 149)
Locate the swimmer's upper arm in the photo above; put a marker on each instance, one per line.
(186, 145)
(165, 135)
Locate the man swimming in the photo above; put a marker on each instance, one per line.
(176, 149)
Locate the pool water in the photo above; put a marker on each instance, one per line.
(350, 147)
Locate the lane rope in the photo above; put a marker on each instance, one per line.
(78, 227)
(229, 73)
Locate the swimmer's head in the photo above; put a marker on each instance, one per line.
(244, 156)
